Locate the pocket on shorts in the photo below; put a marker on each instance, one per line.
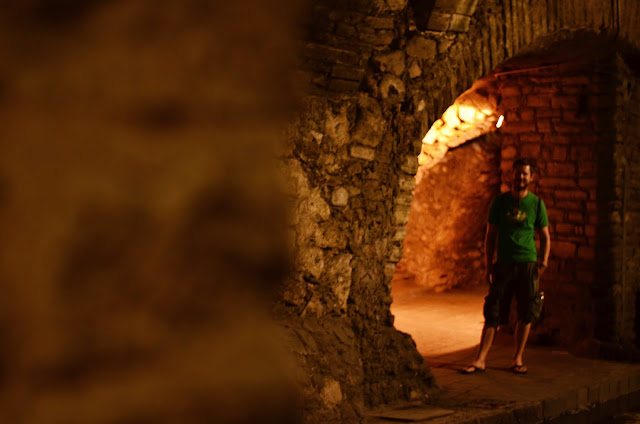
(535, 306)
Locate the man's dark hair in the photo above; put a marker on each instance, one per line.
(524, 162)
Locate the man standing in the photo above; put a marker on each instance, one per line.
(513, 216)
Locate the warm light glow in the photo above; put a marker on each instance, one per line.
(467, 114)
(451, 116)
(430, 138)
(500, 121)
(470, 116)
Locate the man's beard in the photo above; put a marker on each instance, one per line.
(520, 184)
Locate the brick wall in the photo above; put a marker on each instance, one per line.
(556, 116)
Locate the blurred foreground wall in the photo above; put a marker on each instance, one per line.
(137, 210)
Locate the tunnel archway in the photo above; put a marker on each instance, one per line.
(558, 102)
(376, 82)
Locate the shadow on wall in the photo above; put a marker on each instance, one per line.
(139, 212)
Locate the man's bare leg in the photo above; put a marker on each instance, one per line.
(485, 343)
(520, 339)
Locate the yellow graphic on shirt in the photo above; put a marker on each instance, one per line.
(517, 216)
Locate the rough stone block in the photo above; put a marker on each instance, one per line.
(331, 393)
(392, 88)
(410, 165)
(395, 253)
(400, 234)
(401, 214)
(344, 30)
(444, 43)
(340, 197)
(395, 5)
(391, 62)
(421, 47)
(378, 38)
(439, 21)
(379, 22)
(330, 236)
(370, 125)
(449, 6)
(362, 152)
(389, 269)
(466, 7)
(317, 206)
(343, 86)
(459, 23)
(339, 273)
(403, 198)
(406, 183)
(415, 70)
(311, 259)
(331, 54)
(347, 72)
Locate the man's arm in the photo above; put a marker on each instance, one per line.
(545, 247)
(489, 249)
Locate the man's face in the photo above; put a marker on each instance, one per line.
(521, 177)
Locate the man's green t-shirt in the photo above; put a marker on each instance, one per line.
(516, 221)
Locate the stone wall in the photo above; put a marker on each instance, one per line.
(622, 214)
(375, 76)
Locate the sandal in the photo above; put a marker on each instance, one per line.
(519, 369)
(471, 369)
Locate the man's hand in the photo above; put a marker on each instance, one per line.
(541, 268)
(487, 275)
